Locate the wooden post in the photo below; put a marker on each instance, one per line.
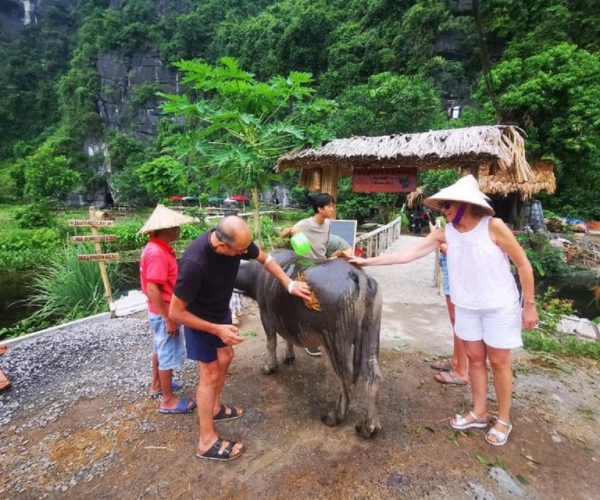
(514, 215)
(102, 264)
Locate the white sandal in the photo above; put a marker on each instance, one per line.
(461, 423)
(499, 438)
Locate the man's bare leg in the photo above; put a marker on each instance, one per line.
(206, 396)
(224, 358)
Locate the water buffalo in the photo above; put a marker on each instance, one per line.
(344, 319)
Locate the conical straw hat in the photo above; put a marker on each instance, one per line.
(164, 218)
(466, 189)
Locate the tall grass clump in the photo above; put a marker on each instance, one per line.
(67, 288)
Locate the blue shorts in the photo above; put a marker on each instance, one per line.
(170, 349)
(202, 346)
(444, 267)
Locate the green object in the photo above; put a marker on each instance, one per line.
(300, 244)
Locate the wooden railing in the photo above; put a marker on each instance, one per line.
(244, 215)
(375, 242)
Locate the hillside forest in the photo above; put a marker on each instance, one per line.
(125, 99)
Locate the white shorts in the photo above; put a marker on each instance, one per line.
(499, 328)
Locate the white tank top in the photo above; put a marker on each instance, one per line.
(478, 269)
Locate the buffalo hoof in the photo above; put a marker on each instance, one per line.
(268, 370)
(330, 419)
(367, 429)
(289, 361)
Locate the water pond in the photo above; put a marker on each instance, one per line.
(577, 287)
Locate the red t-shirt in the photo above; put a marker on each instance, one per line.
(158, 264)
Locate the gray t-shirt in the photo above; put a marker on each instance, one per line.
(318, 234)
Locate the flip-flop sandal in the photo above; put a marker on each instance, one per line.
(461, 423)
(216, 453)
(223, 415)
(183, 406)
(176, 385)
(499, 438)
(443, 365)
(451, 378)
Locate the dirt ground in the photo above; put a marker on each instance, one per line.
(102, 448)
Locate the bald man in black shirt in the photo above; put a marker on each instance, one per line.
(207, 272)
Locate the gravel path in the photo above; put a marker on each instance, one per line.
(104, 356)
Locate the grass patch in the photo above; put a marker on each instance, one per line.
(539, 340)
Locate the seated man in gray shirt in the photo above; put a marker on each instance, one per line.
(316, 229)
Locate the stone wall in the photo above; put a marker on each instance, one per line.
(123, 79)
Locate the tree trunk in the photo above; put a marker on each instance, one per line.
(485, 58)
(256, 215)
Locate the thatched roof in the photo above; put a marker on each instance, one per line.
(498, 146)
(504, 182)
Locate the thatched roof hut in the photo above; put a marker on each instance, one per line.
(504, 182)
(499, 147)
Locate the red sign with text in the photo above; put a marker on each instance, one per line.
(384, 180)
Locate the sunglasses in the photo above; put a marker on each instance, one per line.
(445, 205)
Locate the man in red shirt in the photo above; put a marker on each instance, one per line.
(158, 274)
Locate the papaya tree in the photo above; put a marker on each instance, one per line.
(235, 127)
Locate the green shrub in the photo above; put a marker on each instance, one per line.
(7, 185)
(19, 240)
(26, 248)
(404, 222)
(269, 234)
(546, 338)
(127, 236)
(190, 232)
(294, 215)
(35, 215)
(545, 259)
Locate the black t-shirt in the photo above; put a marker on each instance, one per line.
(205, 278)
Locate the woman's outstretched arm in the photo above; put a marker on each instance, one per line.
(425, 246)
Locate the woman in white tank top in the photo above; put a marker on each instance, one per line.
(489, 315)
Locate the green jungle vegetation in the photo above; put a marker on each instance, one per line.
(382, 65)
(260, 77)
